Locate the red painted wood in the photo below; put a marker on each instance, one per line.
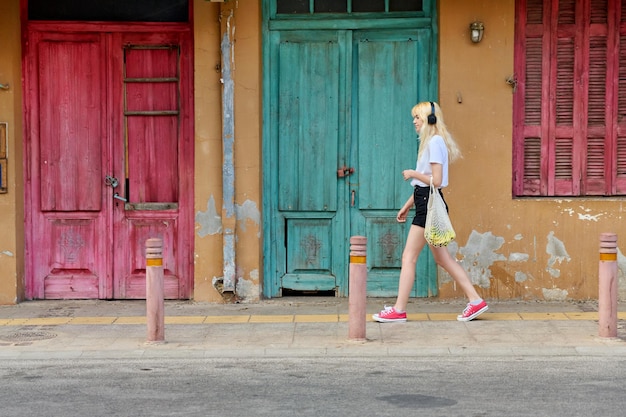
(70, 147)
(577, 141)
(66, 224)
(153, 158)
(80, 242)
(158, 162)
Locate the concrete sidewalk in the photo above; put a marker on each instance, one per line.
(302, 327)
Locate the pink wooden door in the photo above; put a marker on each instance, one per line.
(153, 130)
(108, 119)
(67, 218)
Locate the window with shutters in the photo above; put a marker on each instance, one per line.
(570, 103)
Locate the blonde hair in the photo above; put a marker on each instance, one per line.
(422, 111)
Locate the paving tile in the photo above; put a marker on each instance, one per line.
(442, 316)
(592, 315)
(130, 320)
(318, 318)
(184, 319)
(272, 319)
(92, 320)
(543, 316)
(227, 319)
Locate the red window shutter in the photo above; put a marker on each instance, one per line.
(597, 138)
(530, 98)
(562, 163)
(567, 12)
(570, 110)
(620, 121)
(533, 109)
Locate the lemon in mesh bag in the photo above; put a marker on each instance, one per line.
(438, 230)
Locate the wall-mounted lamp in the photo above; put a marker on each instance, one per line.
(476, 31)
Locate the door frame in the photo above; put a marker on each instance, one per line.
(274, 223)
(186, 206)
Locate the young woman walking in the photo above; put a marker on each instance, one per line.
(437, 149)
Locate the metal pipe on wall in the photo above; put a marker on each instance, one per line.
(229, 219)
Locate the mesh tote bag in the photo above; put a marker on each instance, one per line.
(438, 230)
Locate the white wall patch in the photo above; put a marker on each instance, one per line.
(210, 222)
(478, 256)
(556, 249)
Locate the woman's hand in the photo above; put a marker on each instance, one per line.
(401, 216)
(408, 174)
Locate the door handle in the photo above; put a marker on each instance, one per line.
(352, 194)
(344, 171)
(119, 197)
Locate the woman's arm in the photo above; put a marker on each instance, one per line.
(437, 170)
(404, 211)
(437, 175)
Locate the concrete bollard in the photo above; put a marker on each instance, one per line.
(357, 295)
(607, 283)
(155, 304)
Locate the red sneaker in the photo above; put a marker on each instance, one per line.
(473, 311)
(389, 315)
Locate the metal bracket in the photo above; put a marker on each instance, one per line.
(512, 81)
(4, 157)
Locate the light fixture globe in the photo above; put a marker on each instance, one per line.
(476, 31)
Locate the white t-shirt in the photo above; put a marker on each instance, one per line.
(436, 152)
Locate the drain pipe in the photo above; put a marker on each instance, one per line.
(229, 220)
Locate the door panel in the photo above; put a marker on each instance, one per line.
(308, 124)
(105, 105)
(307, 143)
(67, 161)
(343, 98)
(390, 79)
(151, 148)
(71, 154)
(152, 112)
(131, 281)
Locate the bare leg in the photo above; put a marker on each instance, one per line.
(414, 244)
(447, 262)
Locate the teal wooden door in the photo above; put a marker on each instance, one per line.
(392, 72)
(309, 118)
(342, 98)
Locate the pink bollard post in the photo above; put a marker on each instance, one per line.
(607, 282)
(155, 305)
(357, 298)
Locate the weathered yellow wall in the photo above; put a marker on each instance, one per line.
(11, 207)
(248, 156)
(514, 248)
(241, 21)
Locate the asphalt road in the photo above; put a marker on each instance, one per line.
(320, 387)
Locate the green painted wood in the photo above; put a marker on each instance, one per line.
(309, 139)
(426, 275)
(309, 282)
(308, 90)
(390, 79)
(350, 24)
(334, 97)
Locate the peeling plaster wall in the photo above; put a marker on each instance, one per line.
(544, 249)
(11, 206)
(208, 157)
(621, 275)
(211, 21)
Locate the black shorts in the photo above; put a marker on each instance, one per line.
(420, 199)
